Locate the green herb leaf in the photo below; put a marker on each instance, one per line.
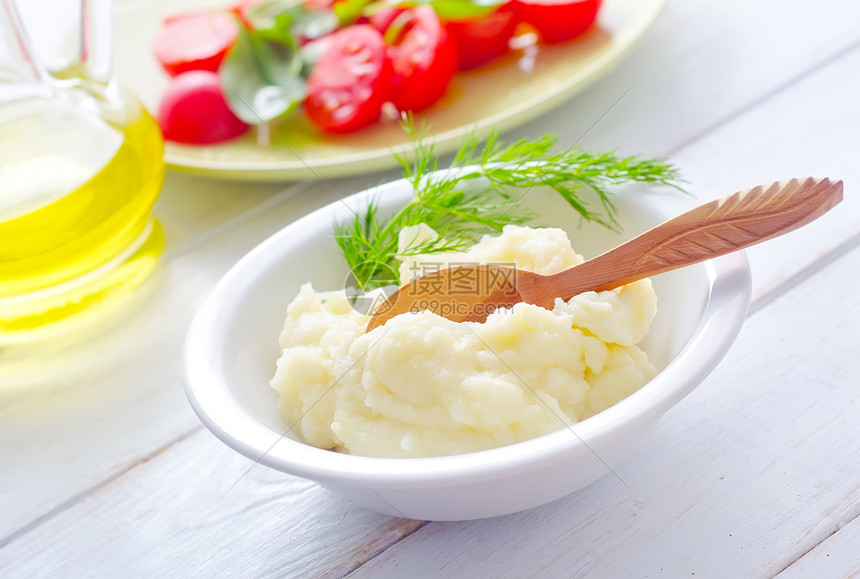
(348, 11)
(464, 9)
(272, 19)
(280, 19)
(464, 204)
(445, 9)
(262, 77)
(314, 24)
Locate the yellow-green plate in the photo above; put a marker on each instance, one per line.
(504, 95)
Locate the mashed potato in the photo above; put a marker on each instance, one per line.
(424, 386)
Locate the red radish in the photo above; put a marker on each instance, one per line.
(424, 57)
(351, 80)
(195, 41)
(558, 20)
(193, 110)
(483, 39)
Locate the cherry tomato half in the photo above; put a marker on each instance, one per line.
(195, 41)
(351, 80)
(193, 110)
(481, 40)
(558, 20)
(424, 57)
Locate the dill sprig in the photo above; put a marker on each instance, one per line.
(480, 195)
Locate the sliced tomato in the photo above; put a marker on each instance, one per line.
(481, 40)
(351, 80)
(193, 110)
(195, 41)
(558, 20)
(424, 57)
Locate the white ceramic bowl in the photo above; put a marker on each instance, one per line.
(232, 346)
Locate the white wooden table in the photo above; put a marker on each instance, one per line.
(106, 472)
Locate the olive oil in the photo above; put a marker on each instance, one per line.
(76, 195)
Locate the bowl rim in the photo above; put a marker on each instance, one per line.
(728, 298)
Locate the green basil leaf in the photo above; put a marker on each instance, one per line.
(272, 102)
(464, 9)
(277, 19)
(272, 17)
(348, 11)
(377, 5)
(261, 78)
(313, 24)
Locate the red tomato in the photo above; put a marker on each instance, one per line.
(195, 41)
(480, 40)
(193, 110)
(558, 20)
(424, 57)
(351, 80)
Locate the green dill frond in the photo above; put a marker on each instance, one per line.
(479, 195)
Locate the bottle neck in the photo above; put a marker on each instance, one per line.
(21, 76)
(96, 39)
(70, 40)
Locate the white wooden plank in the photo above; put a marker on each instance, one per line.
(749, 472)
(837, 556)
(173, 517)
(194, 210)
(189, 207)
(809, 130)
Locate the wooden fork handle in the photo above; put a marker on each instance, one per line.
(710, 230)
